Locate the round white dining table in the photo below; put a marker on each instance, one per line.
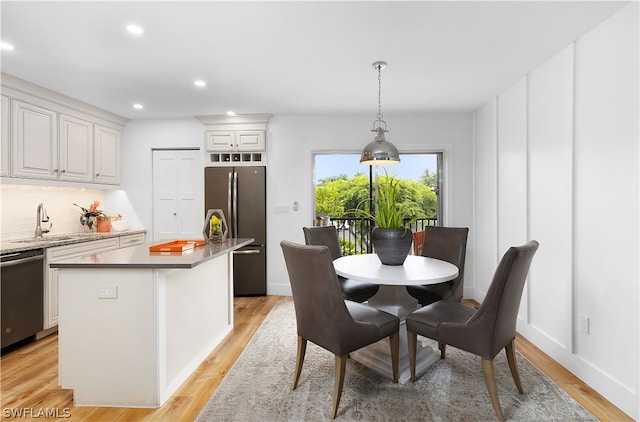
(392, 297)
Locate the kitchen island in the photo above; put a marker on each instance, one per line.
(135, 324)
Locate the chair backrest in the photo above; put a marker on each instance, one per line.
(495, 320)
(448, 244)
(324, 235)
(321, 314)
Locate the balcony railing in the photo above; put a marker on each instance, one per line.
(355, 233)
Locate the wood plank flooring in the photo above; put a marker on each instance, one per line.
(29, 378)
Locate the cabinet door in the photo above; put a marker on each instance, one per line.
(218, 140)
(76, 149)
(4, 130)
(107, 155)
(34, 141)
(250, 140)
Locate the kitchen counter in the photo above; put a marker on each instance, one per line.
(140, 257)
(135, 324)
(19, 245)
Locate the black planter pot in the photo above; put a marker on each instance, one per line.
(391, 245)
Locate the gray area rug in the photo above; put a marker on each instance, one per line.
(258, 387)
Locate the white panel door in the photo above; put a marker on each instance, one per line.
(177, 194)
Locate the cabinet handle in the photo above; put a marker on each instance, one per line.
(63, 171)
(55, 171)
(97, 174)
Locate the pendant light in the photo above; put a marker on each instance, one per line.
(379, 152)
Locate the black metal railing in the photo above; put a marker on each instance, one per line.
(355, 233)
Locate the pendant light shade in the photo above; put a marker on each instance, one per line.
(379, 152)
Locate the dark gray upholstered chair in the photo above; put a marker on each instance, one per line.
(325, 318)
(357, 291)
(448, 244)
(483, 331)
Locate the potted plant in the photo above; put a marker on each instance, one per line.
(391, 236)
(92, 217)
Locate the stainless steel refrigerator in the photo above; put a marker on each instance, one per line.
(241, 193)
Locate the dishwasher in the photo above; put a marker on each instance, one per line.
(21, 295)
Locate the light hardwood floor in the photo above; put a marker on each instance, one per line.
(29, 377)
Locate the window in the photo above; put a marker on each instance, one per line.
(341, 184)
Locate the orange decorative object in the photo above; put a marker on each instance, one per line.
(177, 245)
(103, 225)
(418, 238)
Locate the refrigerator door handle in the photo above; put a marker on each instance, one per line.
(229, 200)
(235, 204)
(247, 252)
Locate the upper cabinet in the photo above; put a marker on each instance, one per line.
(52, 137)
(241, 140)
(235, 140)
(75, 154)
(35, 141)
(5, 152)
(107, 155)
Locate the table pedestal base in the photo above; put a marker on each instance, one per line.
(377, 356)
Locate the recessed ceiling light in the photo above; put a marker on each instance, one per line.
(200, 83)
(138, 106)
(231, 113)
(135, 29)
(6, 46)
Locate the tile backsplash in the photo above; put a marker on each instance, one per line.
(18, 204)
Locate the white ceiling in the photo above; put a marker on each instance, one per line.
(287, 57)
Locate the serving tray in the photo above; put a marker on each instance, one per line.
(177, 245)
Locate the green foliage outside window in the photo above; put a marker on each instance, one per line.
(336, 195)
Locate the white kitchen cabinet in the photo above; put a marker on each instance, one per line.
(132, 240)
(5, 152)
(107, 155)
(229, 141)
(51, 274)
(76, 149)
(218, 140)
(250, 140)
(34, 141)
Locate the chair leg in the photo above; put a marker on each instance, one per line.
(412, 340)
(394, 343)
(513, 365)
(340, 367)
(443, 350)
(302, 348)
(490, 380)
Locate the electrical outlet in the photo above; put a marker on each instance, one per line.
(584, 324)
(108, 292)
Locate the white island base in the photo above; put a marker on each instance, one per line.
(129, 337)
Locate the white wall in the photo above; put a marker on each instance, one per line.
(292, 140)
(572, 124)
(140, 137)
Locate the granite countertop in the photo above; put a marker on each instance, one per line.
(47, 241)
(140, 256)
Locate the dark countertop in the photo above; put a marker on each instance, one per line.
(19, 245)
(140, 257)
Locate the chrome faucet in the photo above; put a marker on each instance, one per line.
(42, 217)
